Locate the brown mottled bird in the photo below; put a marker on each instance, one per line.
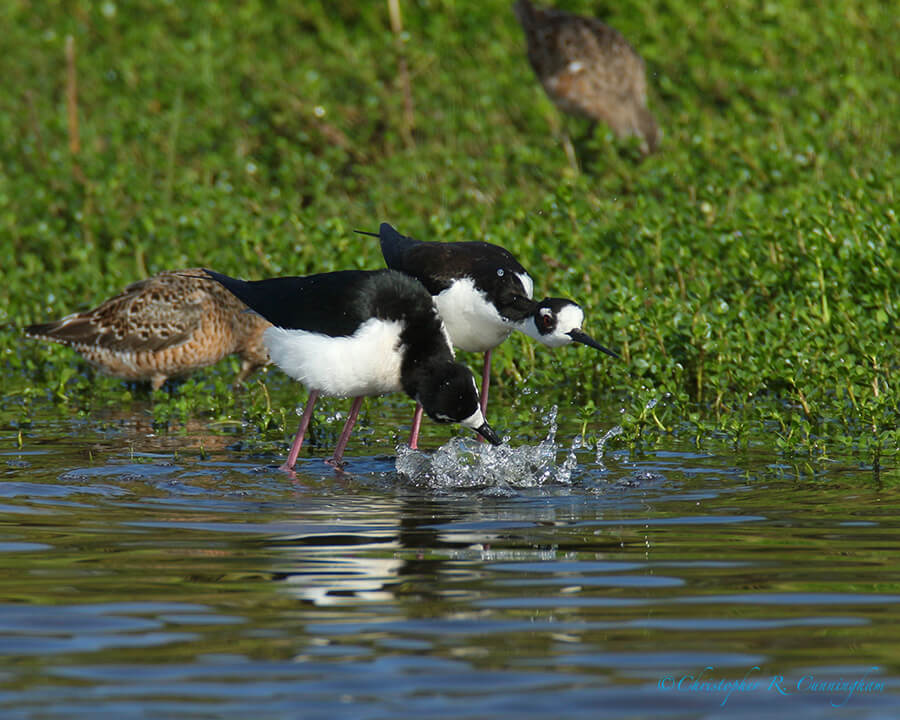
(588, 69)
(164, 326)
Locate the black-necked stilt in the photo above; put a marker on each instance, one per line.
(164, 326)
(588, 69)
(556, 322)
(356, 333)
(482, 293)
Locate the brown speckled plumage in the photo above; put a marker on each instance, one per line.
(165, 326)
(588, 69)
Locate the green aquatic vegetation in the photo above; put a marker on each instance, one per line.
(748, 272)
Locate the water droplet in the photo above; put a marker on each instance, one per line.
(601, 444)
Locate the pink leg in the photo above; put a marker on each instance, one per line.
(485, 385)
(345, 433)
(301, 431)
(485, 382)
(416, 424)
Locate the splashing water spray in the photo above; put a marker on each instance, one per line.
(463, 463)
(601, 444)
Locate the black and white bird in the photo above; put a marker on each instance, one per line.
(556, 322)
(483, 294)
(357, 333)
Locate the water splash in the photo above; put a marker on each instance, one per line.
(601, 444)
(564, 472)
(550, 420)
(464, 463)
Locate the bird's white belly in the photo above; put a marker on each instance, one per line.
(365, 363)
(472, 321)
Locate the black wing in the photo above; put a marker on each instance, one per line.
(436, 265)
(394, 247)
(333, 304)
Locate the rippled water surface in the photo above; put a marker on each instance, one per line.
(157, 576)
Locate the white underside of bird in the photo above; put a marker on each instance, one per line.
(472, 320)
(341, 366)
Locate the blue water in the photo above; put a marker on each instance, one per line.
(150, 575)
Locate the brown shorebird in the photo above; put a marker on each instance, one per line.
(165, 326)
(588, 69)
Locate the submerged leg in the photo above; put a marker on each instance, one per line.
(345, 433)
(301, 431)
(416, 424)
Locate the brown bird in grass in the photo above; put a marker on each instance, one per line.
(164, 326)
(588, 69)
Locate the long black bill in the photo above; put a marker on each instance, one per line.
(487, 432)
(582, 337)
(365, 232)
